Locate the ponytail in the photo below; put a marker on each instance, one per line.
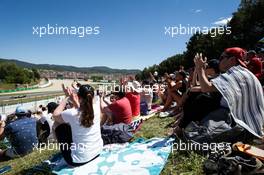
(86, 93)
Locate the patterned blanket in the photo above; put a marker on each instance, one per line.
(141, 157)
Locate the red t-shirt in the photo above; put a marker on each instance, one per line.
(121, 110)
(134, 99)
(255, 67)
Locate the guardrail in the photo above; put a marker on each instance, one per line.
(17, 89)
(32, 103)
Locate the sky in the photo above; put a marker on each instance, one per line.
(131, 34)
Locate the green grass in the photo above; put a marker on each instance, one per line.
(178, 163)
(181, 162)
(8, 86)
(4, 86)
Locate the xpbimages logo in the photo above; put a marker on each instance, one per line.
(79, 31)
(173, 31)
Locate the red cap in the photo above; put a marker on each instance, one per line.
(237, 52)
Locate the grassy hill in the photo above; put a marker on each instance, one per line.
(95, 69)
(179, 162)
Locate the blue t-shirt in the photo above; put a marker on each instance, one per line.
(22, 134)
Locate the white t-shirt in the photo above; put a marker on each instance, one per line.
(47, 118)
(87, 142)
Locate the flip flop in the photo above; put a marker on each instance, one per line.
(249, 149)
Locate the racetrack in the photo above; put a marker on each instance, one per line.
(53, 89)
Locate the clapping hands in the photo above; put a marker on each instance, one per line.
(71, 93)
(199, 61)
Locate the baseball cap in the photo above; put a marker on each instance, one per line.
(238, 53)
(20, 110)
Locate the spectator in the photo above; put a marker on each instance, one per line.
(44, 110)
(261, 55)
(146, 94)
(21, 134)
(181, 68)
(119, 111)
(194, 101)
(79, 127)
(175, 91)
(45, 123)
(76, 85)
(212, 69)
(133, 95)
(254, 64)
(242, 94)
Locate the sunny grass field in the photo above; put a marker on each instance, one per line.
(178, 163)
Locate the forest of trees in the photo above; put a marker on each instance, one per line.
(11, 73)
(247, 26)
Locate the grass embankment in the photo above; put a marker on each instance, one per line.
(179, 162)
(5, 86)
(12, 86)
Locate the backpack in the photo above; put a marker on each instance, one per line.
(143, 108)
(117, 133)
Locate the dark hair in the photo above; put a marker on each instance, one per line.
(52, 106)
(183, 74)
(120, 94)
(86, 92)
(43, 108)
(145, 82)
(213, 64)
(137, 77)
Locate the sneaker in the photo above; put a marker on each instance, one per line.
(211, 164)
(164, 114)
(237, 164)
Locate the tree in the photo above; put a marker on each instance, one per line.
(247, 28)
(11, 73)
(36, 73)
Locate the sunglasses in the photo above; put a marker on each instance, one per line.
(86, 89)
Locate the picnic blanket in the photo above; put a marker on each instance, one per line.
(151, 113)
(138, 121)
(141, 157)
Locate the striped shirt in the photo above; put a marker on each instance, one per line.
(244, 96)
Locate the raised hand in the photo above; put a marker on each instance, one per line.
(199, 61)
(65, 90)
(73, 97)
